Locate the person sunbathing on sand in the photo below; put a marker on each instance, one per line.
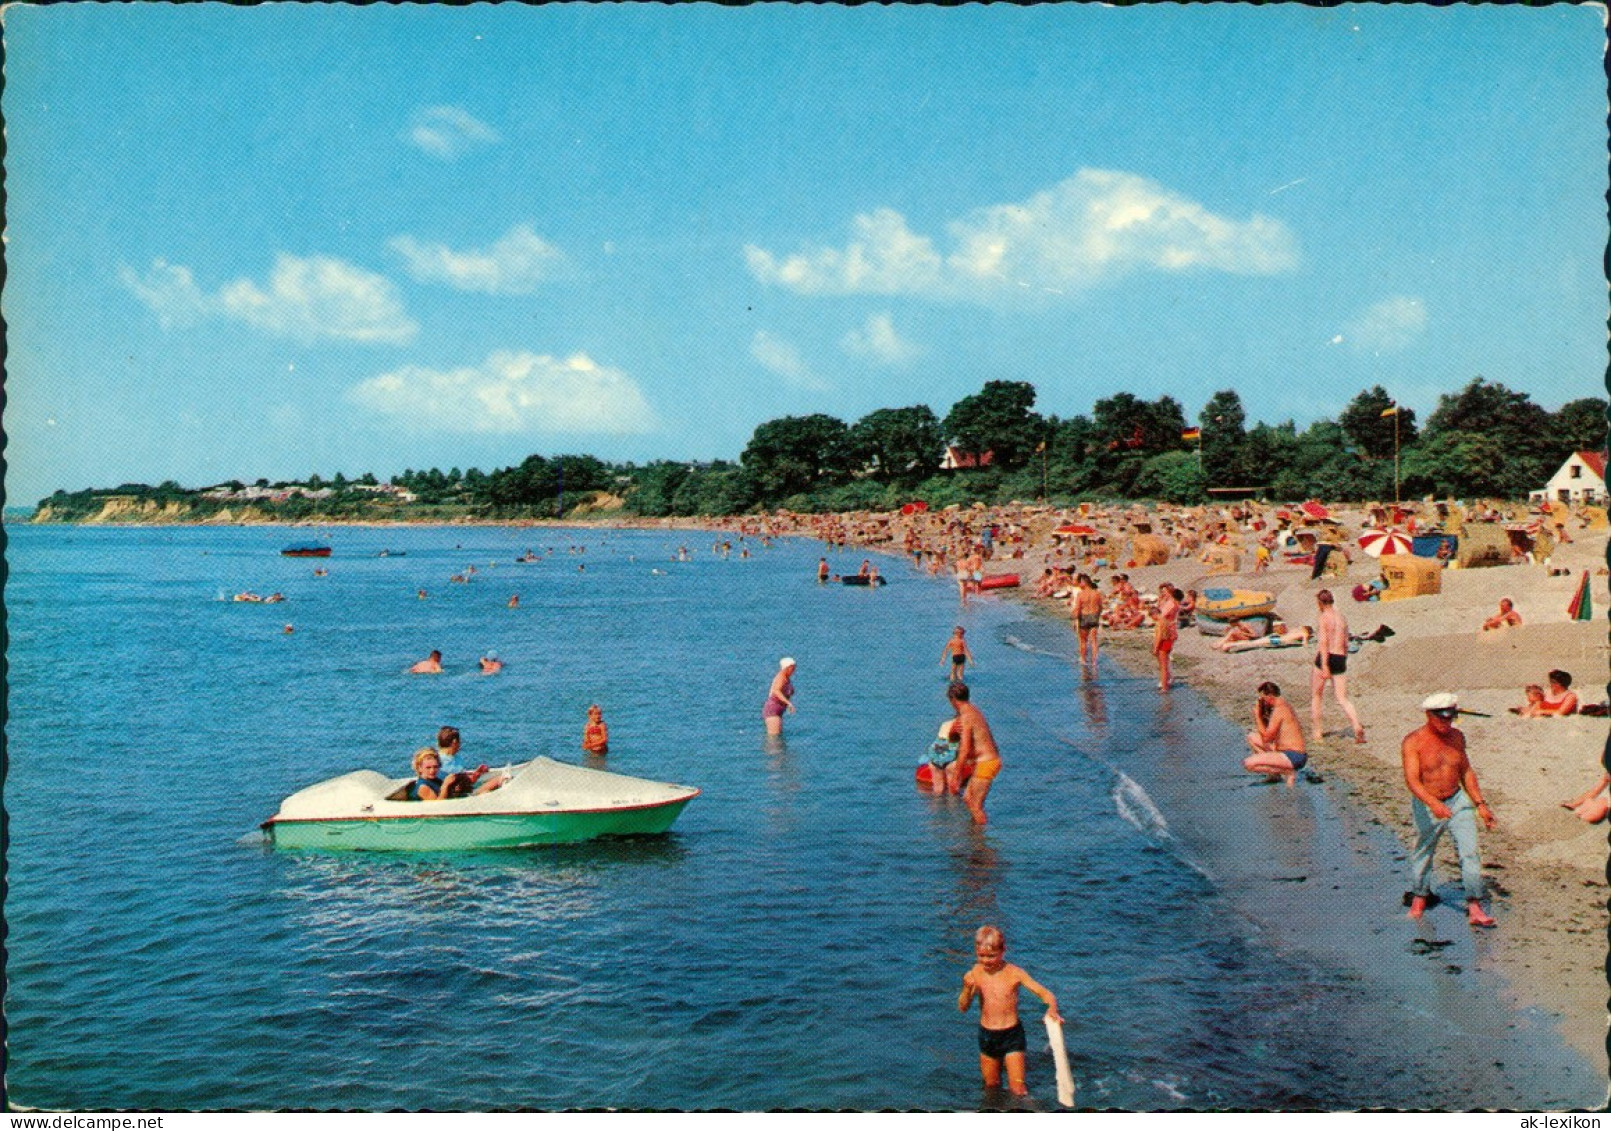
(1504, 618)
(1274, 640)
(1594, 803)
(1237, 633)
(1534, 707)
(1560, 700)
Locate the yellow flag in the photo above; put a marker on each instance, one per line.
(1391, 411)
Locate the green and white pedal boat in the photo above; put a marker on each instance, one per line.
(542, 802)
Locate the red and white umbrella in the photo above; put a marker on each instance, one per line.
(1378, 542)
(1079, 528)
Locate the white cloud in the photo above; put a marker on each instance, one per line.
(877, 339)
(784, 360)
(447, 131)
(169, 290)
(1096, 225)
(306, 299)
(514, 265)
(1388, 326)
(511, 392)
(887, 259)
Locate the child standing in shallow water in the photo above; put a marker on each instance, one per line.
(596, 735)
(995, 982)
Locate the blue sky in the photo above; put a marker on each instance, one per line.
(280, 240)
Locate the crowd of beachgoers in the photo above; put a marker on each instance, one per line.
(1500, 647)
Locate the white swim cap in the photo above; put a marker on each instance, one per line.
(1442, 701)
(786, 662)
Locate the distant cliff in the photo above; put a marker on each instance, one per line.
(91, 508)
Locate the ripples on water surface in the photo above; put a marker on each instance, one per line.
(797, 941)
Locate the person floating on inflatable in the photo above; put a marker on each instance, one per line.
(942, 753)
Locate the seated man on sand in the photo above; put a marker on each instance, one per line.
(1504, 618)
(1276, 739)
(1593, 804)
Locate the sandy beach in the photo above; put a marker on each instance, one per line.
(1546, 869)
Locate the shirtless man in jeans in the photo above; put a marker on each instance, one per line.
(1445, 796)
(1331, 664)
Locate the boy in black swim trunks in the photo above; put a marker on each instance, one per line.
(995, 982)
(957, 651)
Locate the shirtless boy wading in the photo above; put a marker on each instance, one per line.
(995, 982)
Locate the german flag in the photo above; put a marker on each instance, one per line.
(1191, 433)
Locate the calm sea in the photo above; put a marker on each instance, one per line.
(796, 942)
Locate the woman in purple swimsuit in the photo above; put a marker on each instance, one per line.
(779, 697)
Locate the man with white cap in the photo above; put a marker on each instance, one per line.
(1445, 795)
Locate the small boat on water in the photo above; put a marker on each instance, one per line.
(861, 579)
(541, 802)
(1000, 581)
(392, 554)
(306, 550)
(1235, 604)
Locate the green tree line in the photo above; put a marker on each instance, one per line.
(1483, 441)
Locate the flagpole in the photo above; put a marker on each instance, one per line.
(1393, 412)
(1395, 454)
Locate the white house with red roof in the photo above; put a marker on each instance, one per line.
(955, 457)
(1581, 479)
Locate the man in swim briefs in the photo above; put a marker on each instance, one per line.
(976, 749)
(1276, 739)
(995, 982)
(1087, 609)
(1331, 665)
(1444, 795)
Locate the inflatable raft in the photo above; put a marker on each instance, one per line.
(1235, 604)
(1000, 581)
(925, 774)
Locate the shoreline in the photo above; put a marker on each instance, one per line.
(1546, 869)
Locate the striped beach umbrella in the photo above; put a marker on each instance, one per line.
(1378, 542)
(1582, 606)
